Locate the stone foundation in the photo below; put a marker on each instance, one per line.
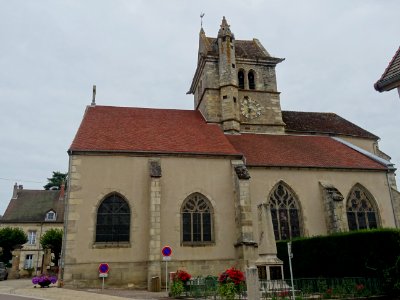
(134, 275)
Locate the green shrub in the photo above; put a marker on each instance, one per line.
(177, 288)
(365, 253)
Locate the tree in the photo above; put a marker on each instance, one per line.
(56, 180)
(52, 239)
(11, 238)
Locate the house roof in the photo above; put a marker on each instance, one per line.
(32, 206)
(300, 151)
(322, 123)
(128, 129)
(391, 77)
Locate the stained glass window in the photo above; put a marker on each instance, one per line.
(285, 213)
(113, 220)
(361, 213)
(197, 220)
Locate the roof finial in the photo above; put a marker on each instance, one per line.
(94, 96)
(224, 29)
(201, 19)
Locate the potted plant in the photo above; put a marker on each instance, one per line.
(44, 280)
(230, 283)
(179, 282)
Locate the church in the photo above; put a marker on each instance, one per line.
(219, 184)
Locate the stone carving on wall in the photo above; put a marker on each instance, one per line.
(155, 168)
(242, 172)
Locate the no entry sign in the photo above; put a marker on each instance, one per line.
(166, 251)
(104, 268)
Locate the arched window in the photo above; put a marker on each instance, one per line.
(361, 211)
(285, 212)
(197, 220)
(241, 79)
(113, 220)
(252, 84)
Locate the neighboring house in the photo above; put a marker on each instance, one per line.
(220, 183)
(390, 79)
(35, 212)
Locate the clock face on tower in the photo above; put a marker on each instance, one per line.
(250, 109)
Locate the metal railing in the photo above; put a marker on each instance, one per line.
(322, 288)
(305, 288)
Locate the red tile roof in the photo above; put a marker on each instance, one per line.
(126, 129)
(391, 75)
(300, 151)
(322, 123)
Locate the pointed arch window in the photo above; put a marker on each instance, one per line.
(197, 220)
(241, 79)
(251, 77)
(113, 220)
(361, 211)
(285, 213)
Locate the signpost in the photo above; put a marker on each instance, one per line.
(103, 272)
(290, 254)
(166, 252)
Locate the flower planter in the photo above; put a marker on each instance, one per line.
(44, 283)
(44, 280)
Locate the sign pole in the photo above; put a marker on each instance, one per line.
(166, 252)
(166, 276)
(290, 254)
(102, 286)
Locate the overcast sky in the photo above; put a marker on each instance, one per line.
(144, 54)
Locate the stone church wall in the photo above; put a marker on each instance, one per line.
(92, 178)
(305, 183)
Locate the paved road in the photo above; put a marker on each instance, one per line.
(13, 297)
(24, 287)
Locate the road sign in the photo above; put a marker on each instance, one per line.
(104, 268)
(166, 251)
(166, 258)
(103, 275)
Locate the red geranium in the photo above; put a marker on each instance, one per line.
(182, 276)
(231, 275)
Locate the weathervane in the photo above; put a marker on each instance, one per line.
(201, 19)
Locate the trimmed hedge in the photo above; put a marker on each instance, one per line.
(366, 253)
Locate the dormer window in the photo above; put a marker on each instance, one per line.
(51, 216)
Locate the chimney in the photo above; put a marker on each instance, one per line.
(15, 190)
(62, 191)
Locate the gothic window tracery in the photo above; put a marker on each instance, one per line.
(197, 220)
(251, 77)
(113, 220)
(284, 212)
(361, 212)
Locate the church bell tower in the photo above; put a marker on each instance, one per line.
(235, 84)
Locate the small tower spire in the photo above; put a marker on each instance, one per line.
(94, 96)
(224, 29)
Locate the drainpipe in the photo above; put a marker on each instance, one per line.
(38, 250)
